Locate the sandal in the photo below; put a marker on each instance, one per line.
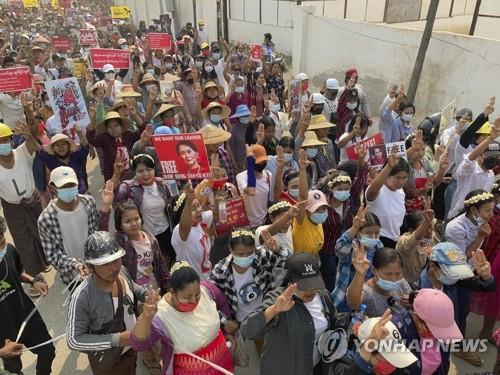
(471, 358)
(153, 367)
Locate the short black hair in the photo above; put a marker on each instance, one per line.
(268, 122)
(383, 257)
(182, 277)
(185, 143)
(147, 160)
(268, 36)
(412, 221)
(365, 121)
(120, 210)
(241, 240)
(406, 104)
(287, 142)
(401, 166)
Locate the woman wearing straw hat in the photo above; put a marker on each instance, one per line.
(214, 138)
(132, 98)
(167, 115)
(310, 145)
(216, 114)
(212, 93)
(129, 112)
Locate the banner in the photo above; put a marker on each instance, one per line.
(87, 37)
(447, 114)
(68, 104)
(78, 69)
(295, 93)
(159, 41)
(120, 59)
(256, 52)
(377, 139)
(166, 89)
(122, 12)
(15, 79)
(182, 156)
(30, 3)
(62, 43)
(236, 216)
(66, 4)
(378, 153)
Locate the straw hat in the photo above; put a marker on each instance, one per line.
(171, 77)
(209, 84)
(225, 109)
(42, 40)
(311, 139)
(60, 137)
(127, 91)
(213, 135)
(148, 77)
(119, 103)
(319, 122)
(112, 115)
(166, 107)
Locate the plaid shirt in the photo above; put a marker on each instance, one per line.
(262, 270)
(52, 237)
(345, 270)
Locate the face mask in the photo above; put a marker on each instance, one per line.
(215, 118)
(68, 194)
(351, 106)
(149, 88)
(387, 285)
(407, 117)
(478, 220)
(3, 252)
(244, 120)
(239, 54)
(169, 121)
(244, 262)
(169, 65)
(109, 76)
(219, 184)
(199, 64)
(294, 193)
(260, 167)
(311, 153)
(490, 163)
(5, 149)
(445, 279)
(288, 157)
(190, 81)
(275, 108)
(368, 242)
(150, 71)
(186, 307)
(239, 89)
(124, 46)
(319, 217)
(330, 95)
(209, 69)
(305, 86)
(342, 195)
(216, 56)
(382, 367)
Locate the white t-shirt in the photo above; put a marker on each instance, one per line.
(129, 319)
(256, 205)
(248, 292)
(196, 249)
(389, 206)
(285, 239)
(12, 109)
(352, 141)
(315, 308)
(18, 183)
(144, 253)
(330, 107)
(74, 227)
(219, 70)
(153, 210)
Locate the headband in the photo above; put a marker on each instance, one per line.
(178, 265)
(146, 155)
(478, 198)
(338, 179)
(179, 202)
(242, 233)
(277, 206)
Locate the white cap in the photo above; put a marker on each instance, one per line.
(317, 98)
(332, 84)
(61, 176)
(392, 347)
(302, 76)
(108, 68)
(122, 41)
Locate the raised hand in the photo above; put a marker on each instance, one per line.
(270, 242)
(362, 152)
(490, 107)
(443, 161)
(253, 113)
(356, 129)
(484, 230)
(393, 157)
(280, 157)
(359, 220)
(379, 332)
(153, 95)
(146, 135)
(150, 306)
(285, 301)
(428, 212)
(303, 162)
(359, 260)
(482, 266)
(190, 194)
(107, 194)
(260, 134)
(119, 165)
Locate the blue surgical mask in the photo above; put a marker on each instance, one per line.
(244, 262)
(407, 117)
(387, 285)
(150, 71)
(319, 217)
(288, 157)
(215, 118)
(5, 149)
(244, 120)
(311, 152)
(275, 108)
(342, 195)
(294, 193)
(68, 194)
(479, 220)
(368, 242)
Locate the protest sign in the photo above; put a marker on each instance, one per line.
(236, 216)
(54, 4)
(62, 43)
(87, 37)
(30, 3)
(78, 69)
(182, 156)
(15, 79)
(121, 12)
(378, 153)
(159, 41)
(256, 51)
(68, 105)
(377, 139)
(166, 89)
(447, 114)
(66, 4)
(120, 59)
(295, 88)
(16, 3)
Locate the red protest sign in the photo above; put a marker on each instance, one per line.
(236, 214)
(120, 59)
(182, 156)
(256, 51)
(87, 37)
(159, 41)
(66, 4)
(377, 139)
(62, 43)
(15, 79)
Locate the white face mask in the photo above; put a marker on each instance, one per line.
(149, 88)
(407, 117)
(109, 76)
(239, 89)
(352, 106)
(209, 69)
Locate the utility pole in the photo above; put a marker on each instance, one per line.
(225, 19)
(474, 17)
(422, 50)
(194, 14)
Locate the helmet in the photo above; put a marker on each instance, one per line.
(5, 130)
(101, 248)
(430, 127)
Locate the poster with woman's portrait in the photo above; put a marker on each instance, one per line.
(182, 156)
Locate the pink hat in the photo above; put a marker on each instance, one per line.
(436, 309)
(315, 200)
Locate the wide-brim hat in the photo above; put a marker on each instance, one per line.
(128, 91)
(225, 109)
(213, 135)
(311, 139)
(147, 78)
(166, 107)
(118, 104)
(241, 111)
(171, 77)
(319, 122)
(209, 84)
(112, 115)
(60, 137)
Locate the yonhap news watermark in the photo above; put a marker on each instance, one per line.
(421, 345)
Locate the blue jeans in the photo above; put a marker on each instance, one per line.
(329, 269)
